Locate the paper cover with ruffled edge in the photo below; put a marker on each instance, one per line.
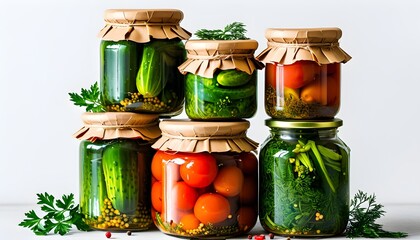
(286, 46)
(204, 57)
(142, 25)
(113, 125)
(196, 136)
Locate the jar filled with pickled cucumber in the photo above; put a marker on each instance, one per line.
(115, 159)
(304, 179)
(221, 79)
(204, 179)
(139, 55)
(302, 74)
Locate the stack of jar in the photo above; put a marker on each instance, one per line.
(205, 174)
(304, 166)
(139, 55)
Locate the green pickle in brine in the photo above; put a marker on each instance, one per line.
(115, 183)
(142, 77)
(230, 94)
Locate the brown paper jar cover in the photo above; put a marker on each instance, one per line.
(196, 136)
(113, 125)
(141, 25)
(204, 57)
(286, 46)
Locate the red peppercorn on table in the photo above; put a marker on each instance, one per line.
(399, 217)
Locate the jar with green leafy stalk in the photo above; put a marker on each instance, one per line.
(221, 80)
(139, 55)
(304, 179)
(115, 159)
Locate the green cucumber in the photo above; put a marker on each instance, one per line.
(217, 94)
(93, 188)
(207, 90)
(159, 64)
(233, 78)
(120, 167)
(120, 62)
(206, 99)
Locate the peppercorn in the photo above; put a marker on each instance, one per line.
(129, 233)
(271, 235)
(108, 234)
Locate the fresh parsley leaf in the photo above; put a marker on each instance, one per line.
(46, 199)
(33, 222)
(61, 214)
(62, 228)
(89, 98)
(233, 31)
(364, 211)
(67, 202)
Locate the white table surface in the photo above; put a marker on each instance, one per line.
(399, 217)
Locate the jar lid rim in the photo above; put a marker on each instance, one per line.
(304, 124)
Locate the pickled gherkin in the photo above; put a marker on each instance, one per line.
(119, 164)
(207, 98)
(115, 184)
(119, 66)
(142, 77)
(93, 189)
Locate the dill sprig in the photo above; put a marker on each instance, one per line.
(364, 211)
(233, 31)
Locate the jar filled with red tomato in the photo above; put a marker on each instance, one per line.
(204, 179)
(302, 74)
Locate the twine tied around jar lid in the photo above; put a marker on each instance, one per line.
(141, 25)
(286, 46)
(196, 136)
(204, 57)
(113, 125)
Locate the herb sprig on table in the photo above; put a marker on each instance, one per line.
(233, 31)
(88, 98)
(61, 214)
(364, 211)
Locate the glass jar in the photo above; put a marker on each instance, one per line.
(198, 193)
(140, 53)
(302, 75)
(221, 79)
(115, 170)
(304, 179)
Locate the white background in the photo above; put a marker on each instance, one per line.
(49, 48)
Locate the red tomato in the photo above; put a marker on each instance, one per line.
(333, 69)
(323, 91)
(247, 217)
(184, 196)
(315, 92)
(212, 208)
(157, 196)
(248, 163)
(229, 181)
(157, 164)
(299, 74)
(333, 90)
(271, 74)
(199, 170)
(189, 222)
(249, 192)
